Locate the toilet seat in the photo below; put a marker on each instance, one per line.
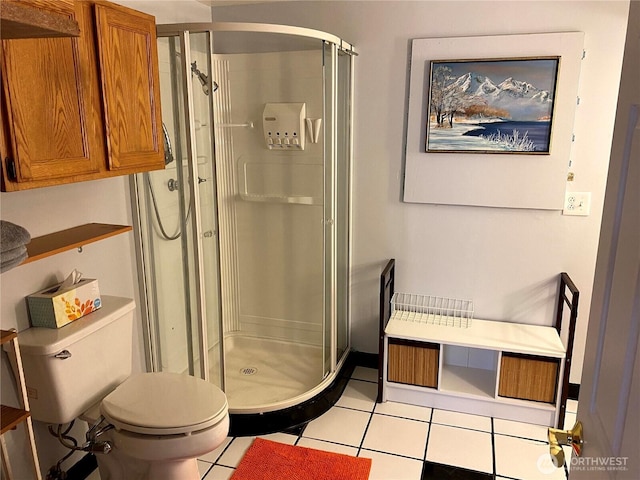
(164, 404)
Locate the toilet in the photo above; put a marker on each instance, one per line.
(154, 425)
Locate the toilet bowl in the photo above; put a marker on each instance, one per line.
(162, 423)
(155, 425)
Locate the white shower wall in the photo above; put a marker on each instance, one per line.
(272, 253)
(279, 249)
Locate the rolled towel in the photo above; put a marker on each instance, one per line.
(9, 264)
(8, 255)
(12, 236)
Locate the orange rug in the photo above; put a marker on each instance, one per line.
(267, 460)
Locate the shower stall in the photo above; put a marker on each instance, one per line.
(244, 238)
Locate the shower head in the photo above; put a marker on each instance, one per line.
(203, 78)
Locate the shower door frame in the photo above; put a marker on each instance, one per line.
(183, 32)
(150, 329)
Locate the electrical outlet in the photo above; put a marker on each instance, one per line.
(577, 203)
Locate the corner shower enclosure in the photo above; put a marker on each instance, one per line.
(244, 238)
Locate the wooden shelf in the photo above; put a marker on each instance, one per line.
(64, 240)
(11, 417)
(22, 21)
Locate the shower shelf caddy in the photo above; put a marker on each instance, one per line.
(433, 353)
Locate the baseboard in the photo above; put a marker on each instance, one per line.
(367, 360)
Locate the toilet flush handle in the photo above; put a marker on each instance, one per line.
(63, 355)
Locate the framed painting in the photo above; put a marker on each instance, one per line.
(490, 119)
(491, 106)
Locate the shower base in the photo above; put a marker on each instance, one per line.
(264, 375)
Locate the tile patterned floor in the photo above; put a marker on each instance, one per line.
(410, 443)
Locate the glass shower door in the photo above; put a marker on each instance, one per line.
(271, 209)
(177, 221)
(245, 247)
(337, 207)
(343, 202)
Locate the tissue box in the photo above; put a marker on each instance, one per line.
(53, 308)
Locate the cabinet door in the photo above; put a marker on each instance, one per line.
(128, 58)
(52, 110)
(414, 363)
(528, 377)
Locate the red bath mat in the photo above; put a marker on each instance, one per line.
(267, 460)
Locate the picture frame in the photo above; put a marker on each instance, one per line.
(492, 179)
(491, 105)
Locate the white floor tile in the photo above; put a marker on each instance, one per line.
(281, 437)
(203, 468)
(367, 374)
(232, 456)
(404, 410)
(400, 431)
(569, 420)
(465, 420)
(339, 425)
(212, 457)
(392, 467)
(219, 473)
(359, 395)
(327, 447)
(400, 436)
(522, 458)
(518, 429)
(460, 447)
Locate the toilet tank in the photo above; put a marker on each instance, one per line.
(69, 369)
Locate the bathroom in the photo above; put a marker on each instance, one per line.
(444, 249)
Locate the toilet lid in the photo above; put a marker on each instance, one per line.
(164, 404)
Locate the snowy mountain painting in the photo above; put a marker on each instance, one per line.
(491, 106)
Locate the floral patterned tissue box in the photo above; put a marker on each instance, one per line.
(54, 308)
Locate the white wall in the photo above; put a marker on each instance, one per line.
(506, 260)
(111, 261)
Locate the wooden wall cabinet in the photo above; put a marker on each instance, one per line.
(82, 108)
